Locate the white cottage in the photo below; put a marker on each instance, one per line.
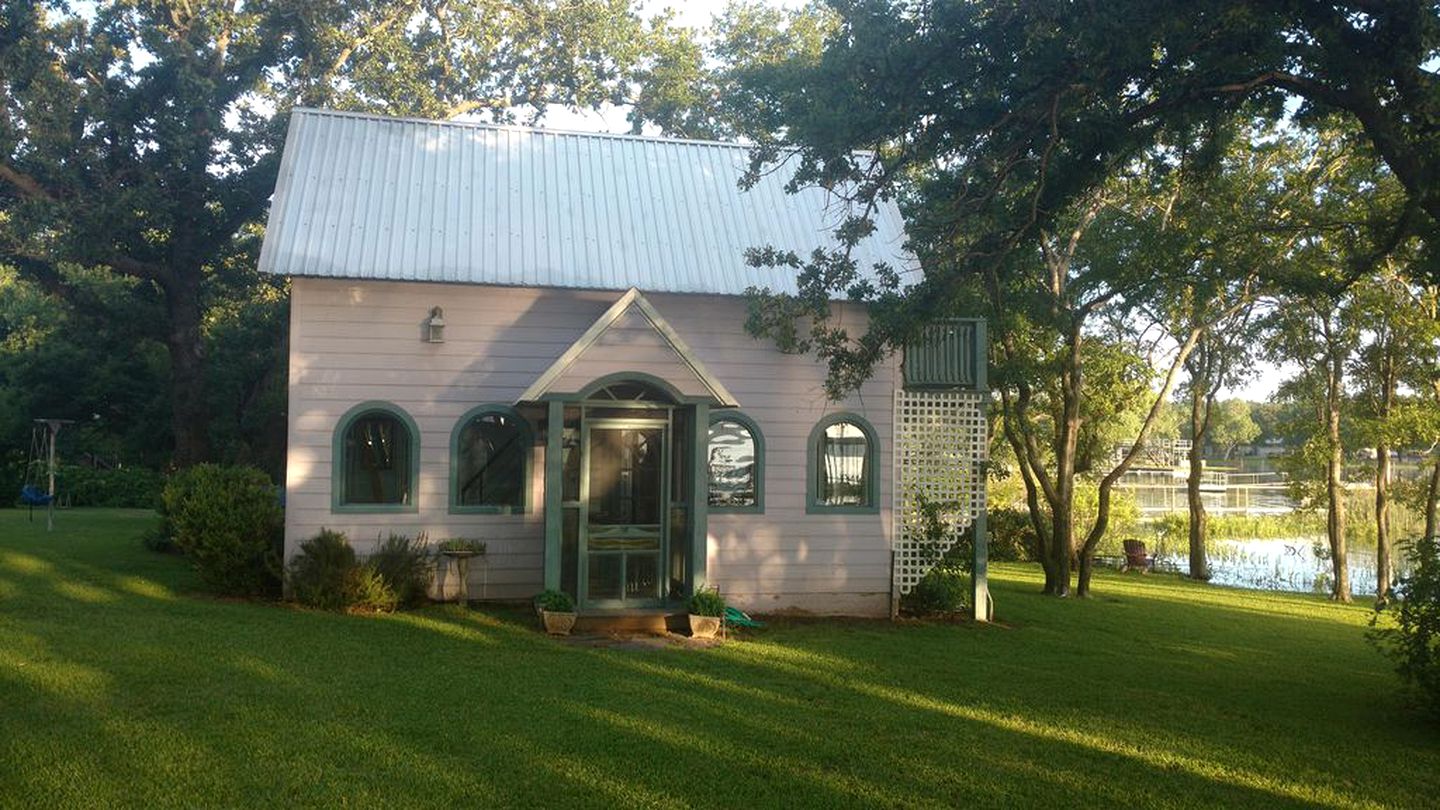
(537, 339)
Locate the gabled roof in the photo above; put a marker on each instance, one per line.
(366, 197)
(630, 337)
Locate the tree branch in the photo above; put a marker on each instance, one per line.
(29, 187)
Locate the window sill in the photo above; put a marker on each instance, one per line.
(488, 510)
(736, 510)
(374, 508)
(821, 509)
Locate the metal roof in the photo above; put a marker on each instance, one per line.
(366, 197)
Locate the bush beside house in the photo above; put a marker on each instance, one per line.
(328, 574)
(228, 522)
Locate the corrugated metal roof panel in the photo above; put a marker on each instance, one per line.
(361, 196)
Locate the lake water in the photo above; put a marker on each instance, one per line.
(1299, 564)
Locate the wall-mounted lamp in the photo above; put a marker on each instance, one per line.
(435, 326)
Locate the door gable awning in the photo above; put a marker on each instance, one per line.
(631, 339)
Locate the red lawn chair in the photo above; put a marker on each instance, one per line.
(1135, 557)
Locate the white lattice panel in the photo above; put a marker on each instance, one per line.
(941, 443)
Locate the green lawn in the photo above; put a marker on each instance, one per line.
(119, 685)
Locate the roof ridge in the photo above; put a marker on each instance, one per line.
(627, 136)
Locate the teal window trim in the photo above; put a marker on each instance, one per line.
(337, 460)
(732, 415)
(527, 437)
(813, 505)
(596, 385)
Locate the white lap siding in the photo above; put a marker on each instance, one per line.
(356, 341)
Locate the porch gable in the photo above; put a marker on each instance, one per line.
(630, 338)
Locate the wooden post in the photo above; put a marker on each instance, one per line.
(980, 599)
(554, 519)
(699, 440)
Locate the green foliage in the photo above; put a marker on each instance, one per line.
(1405, 521)
(230, 526)
(60, 359)
(405, 566)
(323, 573)
(941, 591)
(707, 602)
(157, 539)
(701, 86)
(140, 147)
(368, 591)
(1231, 424)
(1012, 539)
(327, 574)
(1007, 499)
(1409, 630)
(119, 487)
(555, 601)
(461, 544)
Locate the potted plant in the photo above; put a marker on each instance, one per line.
(557, 611)
(707, 613)
(460, 550)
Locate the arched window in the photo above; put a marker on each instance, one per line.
(376, 459)
(490, 461)
(736, 463)
(843, 462)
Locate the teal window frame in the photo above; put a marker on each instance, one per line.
(758, 437)
(527, 436)
(337, 460)
(813, 504)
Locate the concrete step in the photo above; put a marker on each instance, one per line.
(655, 622)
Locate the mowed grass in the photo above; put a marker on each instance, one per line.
(120, 685)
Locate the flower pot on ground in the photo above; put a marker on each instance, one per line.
(557, 612)
(707, 613)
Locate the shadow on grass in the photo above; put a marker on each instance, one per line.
(115, 690)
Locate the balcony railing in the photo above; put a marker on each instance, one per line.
(948, 355)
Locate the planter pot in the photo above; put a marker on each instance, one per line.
(557, 624)
(704, 626)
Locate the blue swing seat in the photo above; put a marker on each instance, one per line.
(31, 495)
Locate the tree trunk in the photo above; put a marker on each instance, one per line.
(1432, 501)
(1335, 492)
(186, 344)
(1199, 565)
(1383, 564)
(1062, 528)
(1087, 568)
(1067, 441)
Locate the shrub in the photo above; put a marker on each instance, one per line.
(120, 487)
(326, 574)
(555, 602)
(405, 566)
(321, 574)
(1011, 537)
(1409, 629)
(228, 522)
(707, 602)
(157, 539)
(462, 544)
(940, 591)
(367, 590)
